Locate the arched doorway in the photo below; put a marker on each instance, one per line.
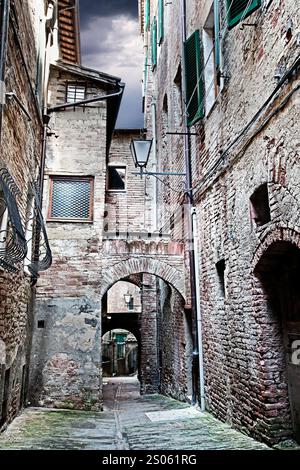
(278, 270)
(164, 358)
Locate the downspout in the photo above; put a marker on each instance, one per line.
(197, 258)
(154, 135)
(90, 100)
(3, 52)
(197, 366)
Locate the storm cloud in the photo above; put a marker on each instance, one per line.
(111, 43)
(103, 8)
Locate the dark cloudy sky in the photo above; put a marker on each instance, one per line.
(110, 42)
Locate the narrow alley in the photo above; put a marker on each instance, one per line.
(129, 422)
(149, 235)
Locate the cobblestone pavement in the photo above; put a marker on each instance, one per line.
(128, 421)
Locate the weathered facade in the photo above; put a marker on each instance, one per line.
(225, 87)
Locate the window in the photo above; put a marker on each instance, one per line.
(116, 178)
(160, 21)
(259, 205)
(131, 304)
(71, 198)
(220, 266)
(177, 99)
(3, 221)
(237, 10)
(154, 43)
(75, 92)
(194, 79)
(210, 75)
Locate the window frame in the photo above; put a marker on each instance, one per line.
(116, 165)
(91, 180)
(75, 83)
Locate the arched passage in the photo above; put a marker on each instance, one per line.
(164, 358)
(278, 272)
(132, 266)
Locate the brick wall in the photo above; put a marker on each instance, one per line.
(20, 153)
(245, 371)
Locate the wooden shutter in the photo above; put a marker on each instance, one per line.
(194, 79)
(160, 21)
(154, 42)
(237, 9)
(147, 14)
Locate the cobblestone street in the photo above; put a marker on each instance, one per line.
(129, 422)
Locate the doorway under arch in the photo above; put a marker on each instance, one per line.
(278, 271)
(164, 358)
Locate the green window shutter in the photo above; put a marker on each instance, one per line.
(237, 9)
(194, 79)
(147, 14)
(217, 40)
(154, 43)
(160, 21)
(146, 74)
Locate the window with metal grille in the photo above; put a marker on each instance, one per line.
(71, 198)
(116, 178)
(237, 10)
(75, 92)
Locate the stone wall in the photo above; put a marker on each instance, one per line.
(67, 335)
(245, 371)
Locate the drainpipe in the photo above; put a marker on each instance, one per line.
(197, 367)
(197, 257)
(3, 51)
(154, 148)
(88, 101)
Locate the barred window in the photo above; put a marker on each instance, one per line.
(75, 92)
(71, 198)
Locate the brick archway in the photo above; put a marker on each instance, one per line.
(158, 268)
(276, 268)
(275, 234)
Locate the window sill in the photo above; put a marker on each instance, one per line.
(116, 191)
(70, 221)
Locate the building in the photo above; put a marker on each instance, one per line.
(26, 32)
(221, 101)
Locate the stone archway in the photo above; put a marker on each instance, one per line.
(154, 275)
(277, 270)
(126, 268)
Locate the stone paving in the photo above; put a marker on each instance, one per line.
(129, 421)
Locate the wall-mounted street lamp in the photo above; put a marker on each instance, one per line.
(140, 150)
